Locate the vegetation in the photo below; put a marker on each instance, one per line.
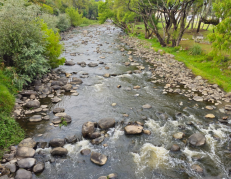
(75, 17)
(63, 122)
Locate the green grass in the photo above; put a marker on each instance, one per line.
(87, 22)
(200, 64)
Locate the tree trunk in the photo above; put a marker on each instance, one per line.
(192, 25)
(207, 27)
(199, 25)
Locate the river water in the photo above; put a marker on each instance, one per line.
(131, 157)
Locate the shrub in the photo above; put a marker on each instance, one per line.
(10, 132)
(53, 48)
(64, 22)
(51, 21)
(196, 50)
(47, 9)
(6, 100)
(76, 18)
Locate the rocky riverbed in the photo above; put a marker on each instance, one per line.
(116, 109)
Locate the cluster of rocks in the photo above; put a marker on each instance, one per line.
(52, 86)
(176, 76)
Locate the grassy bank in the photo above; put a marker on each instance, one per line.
(87, 22)
(201, 65)
(10, 131)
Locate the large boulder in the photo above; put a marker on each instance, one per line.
(25, 152)
(57, 142)
(60, 151)
(197, 139)
(98, 158)
(38, 168)
(23, 174)
(106, 123)
(87, 129)
(33, 104)
(28, 142)
(133, 129)
(77, 80)
(35, 118)
(26, 163)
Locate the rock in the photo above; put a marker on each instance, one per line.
(57, 142)
(197, 139)
(98, 140)
(198, 98)
(85, 151)
(98, 158)
(26, 163)
(25, 152)
(87, 129)
(55, 99)
(35, 118)
(136, 87)
(42, 144)
(228, 107)
(77, 80)
(113, 104)
(211, 116)
(67, 87)
(148, 132)
(118, 86)
(175, 148)
(8, 157)
(69, 63)
(107, 75)
(57, 120)
(133, 129)
(112, 176)
(92, 64)
(228, 95)
(146, 106)
(28, 142)
(23, 174)
(11, 167)
(103, 177)
(127, 63)
(33, 104)
(178, 135)
(38, 168)
(197, 168)
(95, 135)
(59, 151)
(107, 68)
(71, 139)
(27, 93)
(46, 117)
(209, 107)
(106, 123)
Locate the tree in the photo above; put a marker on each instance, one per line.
(221, 38)
(75, 17)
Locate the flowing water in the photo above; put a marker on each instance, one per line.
(131, 157)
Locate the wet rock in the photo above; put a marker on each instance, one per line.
(25, 152)
(127, 63)
(46, 117)
(198, 98)
(42, 144)
(67, 87)
(35, 118)
(211, 116)
(69, 63)
(77, 80)
(209, 107)
(197, 168)
(136, 87)
(133, 129)
(148, 132)
(228, 107)
(38, 168)
(57, 120)
(107, 68)
(60, 151)
(103, 177)
(57, 142)
(178, 135)
(118, 86)
(112, 176)
(27, 93)
(4, 171)
(175, 148)
(87, 129)
(92, 64)
(57, 83)
(56, 87)
(107, 75)
(106, 123)
(26, 163)
(98, 140)
(98, 158)
(146, 106)
(33, 104)
(85, 151)
(113, 104)
(23, 174)
(71, 139)
(28, 142)
(95, 135)
(197, 139)
(11, 167)
(8, 157)
(55, 99)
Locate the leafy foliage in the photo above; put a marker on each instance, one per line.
(51, 21)
(75, 17)
(64, 22)
(47, 9)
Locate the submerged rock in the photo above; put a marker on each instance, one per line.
(197, 139)
(35, 118)
(98, 158)
(146, 106)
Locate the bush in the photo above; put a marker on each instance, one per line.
(51, 21)
(47, 9)
(10, 133)
(64, 22)
(196, 50)
(6, 100)
(76, 18)
(53, 48)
